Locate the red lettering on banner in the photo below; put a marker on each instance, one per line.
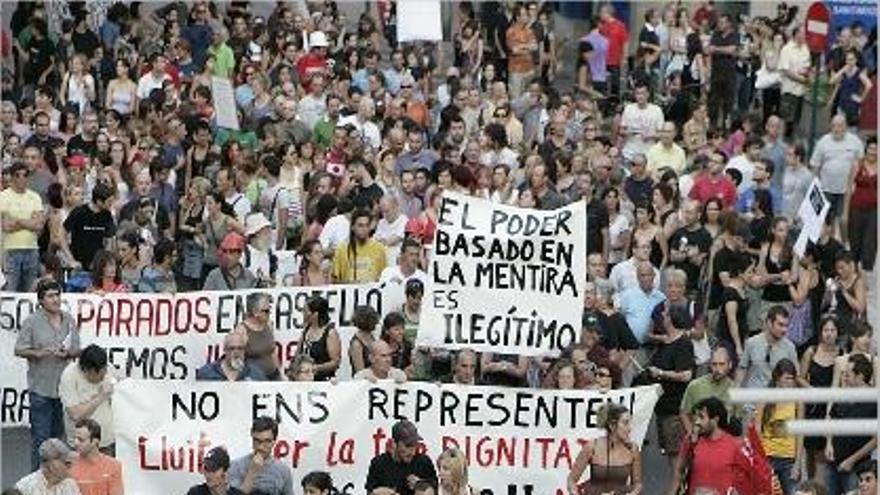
(85, 312)
(187, 457)
(345, 453)
(379, 441)
(144, 315)
(486, 451)
(202, 313)
(283, 449)
(124, 314)
(182, 315)
(159, 328)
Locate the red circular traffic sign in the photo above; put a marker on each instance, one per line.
(817, 26)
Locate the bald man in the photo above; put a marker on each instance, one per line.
(232, 367)
(380, 365)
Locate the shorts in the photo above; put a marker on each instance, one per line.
(669, 434)
(836, 207)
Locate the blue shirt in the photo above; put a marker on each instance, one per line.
(636, 306)
(425, 158)
(747, 199)
(599, 59)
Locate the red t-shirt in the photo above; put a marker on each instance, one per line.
(715, 463)
(617, 36)
(707, 187)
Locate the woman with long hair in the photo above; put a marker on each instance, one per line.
(105, 274)
(219, 221)
(712, 216)
(783, 449)
(860, 208)
(313, 271)
(847, 294)
(78, 87)
(394, 334)
(122, 91)
(648, 232)
(320, 339)
(777, 267)
(257, 326)
(619, 227)
(191, 232)
(817, 370)
(452, 473)
(615, 462)
(564, 375)
(365, 319)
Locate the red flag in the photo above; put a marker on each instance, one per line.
(754, 474)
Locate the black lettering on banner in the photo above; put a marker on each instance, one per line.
(13, 405)
(400, 403)
(495, 401)
(378, 398)
(448, 403)
(203, 406)
(424, 400)
(471, 410)
(450, 301)
(160, 363)
(508, 329)
(445, 210)
(454, 275)
(522, 409)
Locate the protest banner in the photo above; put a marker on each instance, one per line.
(811, 212)
(516, 440)
(224, 102)
(504, 279)
(169, 336)
(419, 21)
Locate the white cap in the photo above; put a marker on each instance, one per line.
(318, 39)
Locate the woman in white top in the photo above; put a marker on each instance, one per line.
(78, 86)
(122, 91)
(619, 227)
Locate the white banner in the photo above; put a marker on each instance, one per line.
(168, 337)
(419, 21)
(505, 279)
(513, 438)
(224, 103)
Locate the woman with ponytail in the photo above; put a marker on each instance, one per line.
(783, 450)
(615, 462)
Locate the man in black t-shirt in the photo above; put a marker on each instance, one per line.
(398, 470)
(847, 451)
(91, 225)
(216, 464)
(689, 245)
(722, 49)
(597, 217)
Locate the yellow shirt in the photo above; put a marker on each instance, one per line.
(776, 442)
(660, 156)
(365, 266)
(19, 207)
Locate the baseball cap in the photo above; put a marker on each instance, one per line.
(77, 160)
(405, 432)
(215, 459)
(233, 242)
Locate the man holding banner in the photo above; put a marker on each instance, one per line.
(397, 471)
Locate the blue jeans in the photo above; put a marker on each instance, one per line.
(22, 268)
(838, 482)
(782, 467)
(47, 421)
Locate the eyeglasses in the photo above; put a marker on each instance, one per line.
(603, 374)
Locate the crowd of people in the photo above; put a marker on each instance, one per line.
(683, 133)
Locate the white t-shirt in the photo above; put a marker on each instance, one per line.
(369, 131)
(74, 389)
(795, 59)
(746, 168)
(148, 83)
(36, 484)
(641, 127)
(395, 374)
(272, 200)
(335, 232)
(385, 231)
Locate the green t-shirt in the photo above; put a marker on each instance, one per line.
(224, 60)
(702, 388)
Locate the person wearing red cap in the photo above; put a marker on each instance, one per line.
(231, 274)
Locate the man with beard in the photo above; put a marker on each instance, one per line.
(713, 384)
(361, 259)
(711, 452)
(232, 366)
